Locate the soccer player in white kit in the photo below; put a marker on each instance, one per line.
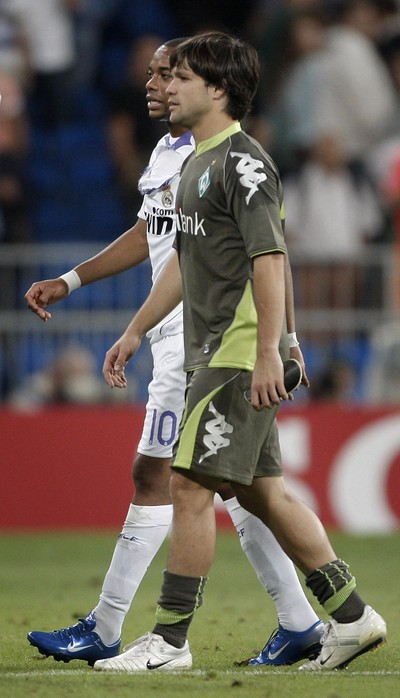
(98, 636)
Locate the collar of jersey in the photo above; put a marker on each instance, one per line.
(176, 143)
(219, 138)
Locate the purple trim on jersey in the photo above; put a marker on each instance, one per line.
(150, 190)
(185, 139)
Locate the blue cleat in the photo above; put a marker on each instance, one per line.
(286, 647)
(79, 641)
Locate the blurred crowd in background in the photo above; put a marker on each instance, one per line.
(75, 135)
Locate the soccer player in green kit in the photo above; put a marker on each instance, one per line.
(229, 270)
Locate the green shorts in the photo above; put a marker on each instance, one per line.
(221, 435)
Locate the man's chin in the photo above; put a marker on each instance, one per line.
(158, 115)
(175, 120)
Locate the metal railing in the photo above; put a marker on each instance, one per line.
(95, 315)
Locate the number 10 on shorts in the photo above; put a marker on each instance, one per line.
(163, 427)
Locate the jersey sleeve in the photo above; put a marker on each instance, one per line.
(254, 196)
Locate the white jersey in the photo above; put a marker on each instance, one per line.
(159, 184)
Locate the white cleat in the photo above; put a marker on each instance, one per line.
(147, 653)
(343, 642)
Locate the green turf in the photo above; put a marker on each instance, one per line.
(47, 581)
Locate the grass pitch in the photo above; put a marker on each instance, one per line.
(48, 581)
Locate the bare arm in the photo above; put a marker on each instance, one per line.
(289, 297)
(295, 351)
(269, 297)
(164, 297)
(125, 252)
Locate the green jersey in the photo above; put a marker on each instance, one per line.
(229, 210)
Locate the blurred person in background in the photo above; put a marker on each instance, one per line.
(383, 369)
(292, 108)
(131, 133)
(353, 73)
(13, 48)
(46, 28)
(323, 126)
(72, 379)
(384, 162)
(14, 144)
(332, 213)
(90, 19)
(391, 193)
(320, 64)
(271, 31)
(14, 132)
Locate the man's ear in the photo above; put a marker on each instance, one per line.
(220, 92)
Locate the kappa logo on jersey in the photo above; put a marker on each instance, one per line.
(204, 182)
(190, 225)
(217, 428)
(247, 167)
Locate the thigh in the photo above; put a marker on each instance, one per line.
(166, 399)
(221, 435)
(270, 461)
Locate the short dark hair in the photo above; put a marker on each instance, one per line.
(223, 61)
(174, 43)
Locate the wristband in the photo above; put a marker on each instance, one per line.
(293, 341)
(72, 280)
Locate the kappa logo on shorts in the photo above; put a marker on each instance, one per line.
(250, 178)
(217, 428)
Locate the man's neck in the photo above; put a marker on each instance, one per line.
(210, 127)
(176, 130)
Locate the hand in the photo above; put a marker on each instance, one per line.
(296, 353)
(116, 359)
(43, 293)
(267, 388)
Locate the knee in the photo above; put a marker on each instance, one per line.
(188, 494)
(264, 497)
(181, 487)
(151, 476)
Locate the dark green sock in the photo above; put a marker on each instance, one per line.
(350, 610)
(334, 587)
(180, 597)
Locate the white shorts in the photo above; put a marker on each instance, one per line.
(166, 398)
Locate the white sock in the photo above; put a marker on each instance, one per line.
(143, 532)
(273, 568)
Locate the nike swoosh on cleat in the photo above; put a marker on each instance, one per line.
(274, 655)
(155, 666)
(324, 661)
(78, 648)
